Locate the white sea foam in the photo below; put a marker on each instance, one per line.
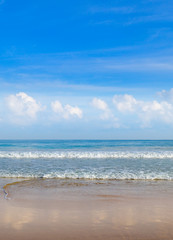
(92, 175)
(89, 155)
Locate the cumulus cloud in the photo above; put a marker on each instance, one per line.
(158, 111)
(146, 111)
(125, 110)
(57, 107)
(67, 111)
(73, 111)
(106, 112)
(125, 103)
(22, 105)
(102, 105)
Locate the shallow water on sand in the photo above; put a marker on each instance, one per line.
(51, 208)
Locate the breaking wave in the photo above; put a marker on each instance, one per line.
(92, 175)
(88, 155)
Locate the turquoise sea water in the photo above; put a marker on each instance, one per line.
(87, 159)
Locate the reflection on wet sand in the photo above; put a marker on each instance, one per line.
(19, 218)
(119, 211)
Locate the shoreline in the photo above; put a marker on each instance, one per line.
(49, 208)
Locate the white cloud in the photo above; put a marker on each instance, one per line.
(145, 111)
(22, 105)
(125, 103)
(57, 107)
(75, 111)
(106, 112)
(124, 111)
(67, 111)
(100, 104)
(158, 111)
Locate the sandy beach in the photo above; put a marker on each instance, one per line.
(65, 209)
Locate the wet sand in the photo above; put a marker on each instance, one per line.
(64, 209)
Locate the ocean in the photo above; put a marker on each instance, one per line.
(87, 159)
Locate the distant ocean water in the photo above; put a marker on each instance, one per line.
(87, 159)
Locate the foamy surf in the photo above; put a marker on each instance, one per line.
(93, 175)
(91, 160)
(88, 155)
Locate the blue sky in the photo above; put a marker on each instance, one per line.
(86, 69)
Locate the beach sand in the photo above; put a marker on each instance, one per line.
(65, 209)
